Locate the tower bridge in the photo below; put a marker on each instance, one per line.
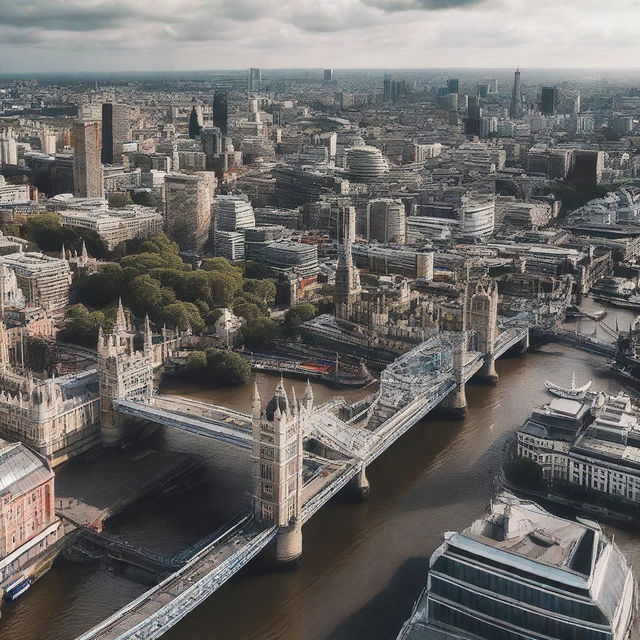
(301, 455)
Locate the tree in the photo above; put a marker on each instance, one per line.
(250, 299)
(144, 295)
(196, 286)
(81, 326)
(296, 315)
(119, 200)
(227, 367)
(263, 289)
(196, 366)
(223, 288)
(46, 231)
(256, 270)
(247, 311)
(101, 289)
(182, 315)
(259, 332)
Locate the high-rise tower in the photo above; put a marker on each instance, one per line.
(195, 121)
(220, 111)
(115, 132)
(255, 80)
(516, 110)
(87, 169)
(347, 275)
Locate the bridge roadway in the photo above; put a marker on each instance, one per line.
(162, 606)
(158, 609)
(577, 340)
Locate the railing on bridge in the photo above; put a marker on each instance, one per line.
(172, 605)
(147, 410)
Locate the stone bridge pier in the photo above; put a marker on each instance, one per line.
(360, 484)
(455, 404)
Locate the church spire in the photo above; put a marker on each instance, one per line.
(122, 326)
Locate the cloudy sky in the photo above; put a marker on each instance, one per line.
(99, 35)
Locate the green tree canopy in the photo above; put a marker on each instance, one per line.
(260, 332)
(182, 315)
(227, 367)
(298, 314)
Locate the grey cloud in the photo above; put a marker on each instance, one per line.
(57, 15)
(419, 5)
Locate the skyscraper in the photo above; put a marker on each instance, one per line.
(115, 131)
(255, 79)
(87, 170)
(220, 111)
(516, 110)
(549, 100)
(453, 85)
(328, 75)
(8, 148)
(195, 121)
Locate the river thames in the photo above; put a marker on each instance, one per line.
(364, 563)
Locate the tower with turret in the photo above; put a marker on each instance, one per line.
(482, 319)
(123, 373)
(277, 466)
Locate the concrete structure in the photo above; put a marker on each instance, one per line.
(187, 210)
(521, 572)
(365, 164)
(87, 170)
(386, 220)
(45, 281)
(232, 213)
(591, 445)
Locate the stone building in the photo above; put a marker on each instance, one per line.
(29, 527)
(123, 372)
(277, 466)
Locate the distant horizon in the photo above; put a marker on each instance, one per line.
(239, 70)
(135, 36)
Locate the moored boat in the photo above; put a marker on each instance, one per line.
(573, 392)
(16, 589)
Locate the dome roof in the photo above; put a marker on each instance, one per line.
(277, 401)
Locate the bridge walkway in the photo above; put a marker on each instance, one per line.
(162, 606)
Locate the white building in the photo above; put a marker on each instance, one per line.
(593, 445)
(365, 163)
(116, 225)
(45, 281)
(232, 213)
(8, 149)
(520, 573)
(13, 193)
(229, 245)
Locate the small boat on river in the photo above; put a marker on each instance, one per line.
(572, 393)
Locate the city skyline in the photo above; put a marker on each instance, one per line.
(192, 35)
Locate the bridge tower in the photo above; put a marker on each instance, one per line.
(123, 372)
(277, 467)
(455, 404)
(482, 318)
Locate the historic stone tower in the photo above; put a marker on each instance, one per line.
(482, 318)
(123, 372)
(277, 466)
